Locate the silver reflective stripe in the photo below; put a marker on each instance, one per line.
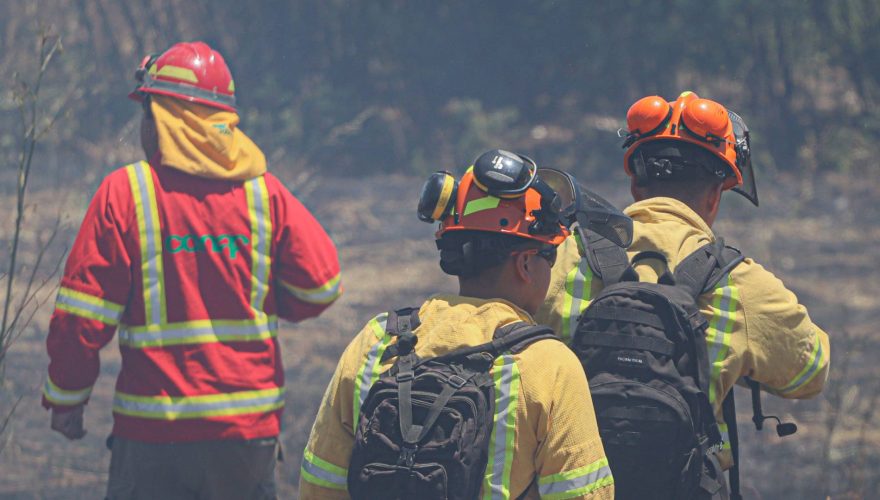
(814, 365)
(576, 483)
(323, 473)
(88, 306)
(60, 396)
(152, 259)
(724, 306)
(258, 207)
(185, 407)
(196, 332)
(369, 371)
(504, 429)
(580, 296)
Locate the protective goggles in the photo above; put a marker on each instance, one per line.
(546, 252)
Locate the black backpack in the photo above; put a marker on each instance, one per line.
(643, 347)
(425, 425)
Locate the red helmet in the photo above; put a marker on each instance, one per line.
(191, 71)
(700, 122)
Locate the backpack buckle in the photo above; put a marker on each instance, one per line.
(404, 376)
(407, 456)
(456, 381)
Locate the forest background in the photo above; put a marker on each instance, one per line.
(355, 102)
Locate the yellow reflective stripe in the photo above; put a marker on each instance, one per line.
(144, 194)
(88, 306)
(725, 435)
(578, 287)
(813, 366)
(324, 294)
(480, 204)
(184, 74)
(261, 234)
(443, 199)
(231, 87)
(322, 473)
(188, 407)
(725, 300)
(496, 483)
(577, 482)
(369, 370)
(63, 397)
(199, 332)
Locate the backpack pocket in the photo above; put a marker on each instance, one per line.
(648, 435)
(423, 481)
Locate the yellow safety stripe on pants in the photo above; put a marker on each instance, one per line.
(725, 300)
(496, 483)
(577, 482)
(578, 287)
(725, 436)
(189, 407)
(320, 472)
(324, 294)
(261, 236)
(199, 332)
(813, 366)
(63, 397)
(370, 370)
(88, 306)
(143, 192)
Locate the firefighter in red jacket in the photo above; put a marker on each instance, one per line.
(193, 256)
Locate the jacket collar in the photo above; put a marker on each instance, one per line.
(667, 209)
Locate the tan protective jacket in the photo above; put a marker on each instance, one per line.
(554, 450)
(757, 328)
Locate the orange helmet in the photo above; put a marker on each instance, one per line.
(702, 123)
(191, 71)
(500, 193)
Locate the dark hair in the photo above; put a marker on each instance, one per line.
(145, 105)
(469, 254)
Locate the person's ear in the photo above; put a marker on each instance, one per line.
(522, 269)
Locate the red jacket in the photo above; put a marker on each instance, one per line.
(194, 273)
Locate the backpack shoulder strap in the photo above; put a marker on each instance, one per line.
(701, 271)
(606, 259)
(401, 324)
(515, 337)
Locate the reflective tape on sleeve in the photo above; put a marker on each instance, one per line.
(324, 294)
(63, 397)
(143, 192)
(578, 287)
(88, 306)
(189, 407)
(815, 363)
(322, 473)
(577, 482)
(369, 370)
(496, 483)
(261, 239)
(199, 332)
(725, 300)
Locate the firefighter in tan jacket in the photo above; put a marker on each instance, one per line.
(757, 327)
(544, 443)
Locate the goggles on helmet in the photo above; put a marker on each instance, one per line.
(698, 121)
